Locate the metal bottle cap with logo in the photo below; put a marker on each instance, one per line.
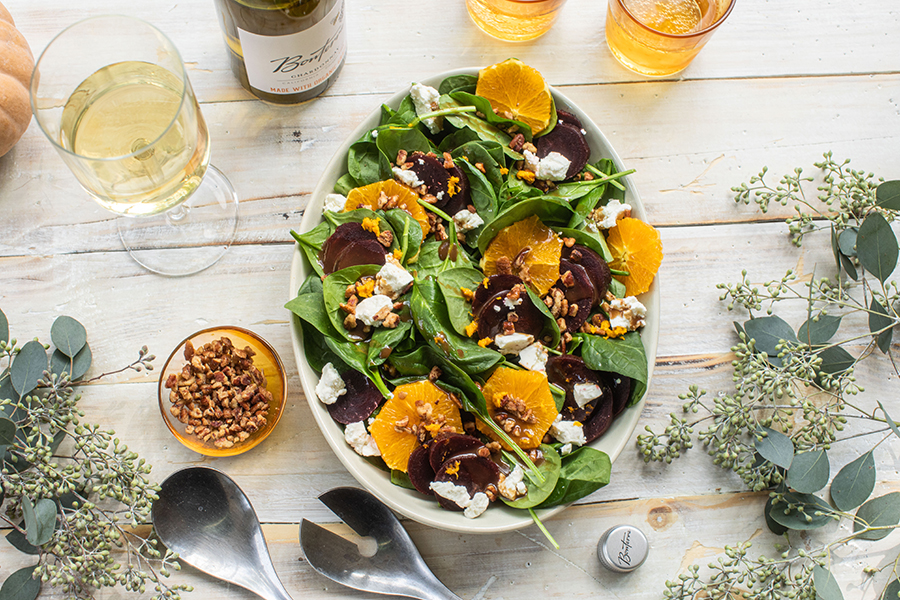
(623, 548)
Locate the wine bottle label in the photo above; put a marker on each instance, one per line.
(289, 64)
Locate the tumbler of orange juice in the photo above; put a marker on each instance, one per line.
(661, 37)
(514, 20)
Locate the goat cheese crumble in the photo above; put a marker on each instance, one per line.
(585, 392)
(459, 495)
(568, 432)
(467, 221)
(612, 212)
(331, 386)
(407, 177)
(369, 310)
(513, 343)
(361, 440)
(392, 280)
(534, 357)
(335, 202)
(425, 99)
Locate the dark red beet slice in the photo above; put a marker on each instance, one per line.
(461, 199)
(363, 252)
(621, 391)
(594, 265)
(471, 471)
(599, 421)
(337, 243)
(449, 446)
(580, 292)
(430, 170)
(568, 118)
(567, 370)
(496, 284)
(570, 142)
(360, 401)
(529, 320)
(419, 470)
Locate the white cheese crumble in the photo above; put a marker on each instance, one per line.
(531, 161)
(567, 432)
(330, 385)
(628, 312)
(513, 485)
(565, 449)
(459, 495)
(534, 357)
(512, 304)
(467, 221)
(360, 440)
(585, 392)
(368, 310)
(513, 343)
(553, 167)
(392, 280)
(612, 212)
(407, 177)
(425, 99)
(335, 202)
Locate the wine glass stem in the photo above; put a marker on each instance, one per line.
(178, 213)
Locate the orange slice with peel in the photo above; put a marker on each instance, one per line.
(518, 91)
(636, 248)
(528, 249)
(377, 196)
(520, 402)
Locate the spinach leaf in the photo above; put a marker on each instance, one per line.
(344, 184)
(391, 141)
(407, 234)
(485, 130)
(413, 363)
(431, 263)
(311, 244)
(625, 356)
(309, 305)
(538, 491)
(583, 472)
(458, 308)
(334, 287)
(457, 139)
(405, 113)
(483, 197)
(481, 152)
(483, 105)
(355, 355)
(433, 322)
(367, 164)
(549, 211)
(594, 241)
(385, 338)
(551, 327)
(458, 83)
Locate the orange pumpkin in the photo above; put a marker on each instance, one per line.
(16, 64)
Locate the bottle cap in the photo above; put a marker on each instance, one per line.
(623, 548)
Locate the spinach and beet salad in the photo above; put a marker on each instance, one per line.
(473, 310)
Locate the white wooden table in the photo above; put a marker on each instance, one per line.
(779, 84)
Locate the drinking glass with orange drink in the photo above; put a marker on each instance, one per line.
(514, 20)
(661, 37)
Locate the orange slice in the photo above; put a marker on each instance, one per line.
(396, 427)
(522, 403)
(636, 248)
(515, 89)
(375, 195)
(529, 249)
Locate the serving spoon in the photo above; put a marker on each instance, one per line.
(204, 516)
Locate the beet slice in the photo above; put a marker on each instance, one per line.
(419, 470)
(496, 284)
(563, 116)
(360, 401)
(461, 199)
(621, 390)
(363, 252)
(430, 170)
(580, 293)
(567, 370)
(469, 470)
(570, 142)
(600, 420)
(490, 318)
(597, 269)
(337, 243)
(449, 446)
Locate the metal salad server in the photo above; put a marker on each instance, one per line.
(397, 568)
(204, 516)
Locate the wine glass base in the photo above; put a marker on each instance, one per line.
(188, 238)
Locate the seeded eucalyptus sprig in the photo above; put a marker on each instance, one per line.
(76, 498)
(795, 391)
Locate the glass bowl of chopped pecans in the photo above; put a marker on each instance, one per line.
(222, 391)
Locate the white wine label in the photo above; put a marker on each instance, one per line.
(289, 64)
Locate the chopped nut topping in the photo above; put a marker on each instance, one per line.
(385, 238)
(517, 142)
(401, 157)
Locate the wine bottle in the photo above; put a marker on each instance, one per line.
(284, 51)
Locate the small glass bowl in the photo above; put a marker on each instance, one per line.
(266, 360)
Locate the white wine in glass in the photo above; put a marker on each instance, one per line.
(126, 122)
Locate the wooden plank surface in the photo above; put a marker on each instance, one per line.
(778, 85)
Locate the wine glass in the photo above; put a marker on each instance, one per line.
(112, 95)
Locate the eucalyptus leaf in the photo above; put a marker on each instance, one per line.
(4, 328)
(835, 360)
(835, 248)
(887, 195)
(890, 421)
(876, 246)
(18, 541)
(826, 585)
(892, 591)
(847, 241)
(775, 447)
(819, 330)
(809, 471)
(805, 520)
(68, 335)
(539, 491)
(883, 511)
(8, 432)
(76, 366)
(21, 585)
(880, 319)
(28, 367)
(854, 483)
(773, 525)
(40, 520)
(767, 332)
(581, 473)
